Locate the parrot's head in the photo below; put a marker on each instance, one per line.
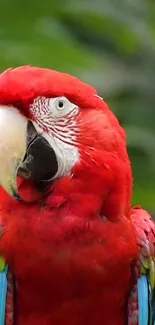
(57, 133)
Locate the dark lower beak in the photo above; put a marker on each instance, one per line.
(39, 163)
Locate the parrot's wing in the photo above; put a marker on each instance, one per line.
(6, 295)
(142, 298)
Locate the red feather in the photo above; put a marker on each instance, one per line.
(70, 267)
(71, 251)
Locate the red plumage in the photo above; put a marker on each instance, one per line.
(72, 250)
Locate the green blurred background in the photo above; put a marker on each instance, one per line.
(109, 44)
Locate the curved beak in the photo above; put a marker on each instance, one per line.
(23, 151)
(13, 128)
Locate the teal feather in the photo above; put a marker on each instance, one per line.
(143, 300)
(3, 293)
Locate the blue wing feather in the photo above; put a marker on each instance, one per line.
(143, 300)
(141, 307)
(3, 293)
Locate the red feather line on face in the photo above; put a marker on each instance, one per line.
(63, 127)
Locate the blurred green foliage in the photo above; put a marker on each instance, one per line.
(109, 44)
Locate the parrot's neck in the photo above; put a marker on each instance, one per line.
(68, 260)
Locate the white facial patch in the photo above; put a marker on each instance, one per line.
(55, 120)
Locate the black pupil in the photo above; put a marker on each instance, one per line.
(61, 104)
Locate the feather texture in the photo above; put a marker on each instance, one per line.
(80, 228)
(144, 290)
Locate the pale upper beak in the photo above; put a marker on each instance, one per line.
(13, 129)
(23, 151)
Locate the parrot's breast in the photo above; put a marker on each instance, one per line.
(68, 270)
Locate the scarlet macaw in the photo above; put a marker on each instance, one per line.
(79, 254)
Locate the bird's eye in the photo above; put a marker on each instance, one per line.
(60, 104)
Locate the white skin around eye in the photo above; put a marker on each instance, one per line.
(60, 106)
(55, 120)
